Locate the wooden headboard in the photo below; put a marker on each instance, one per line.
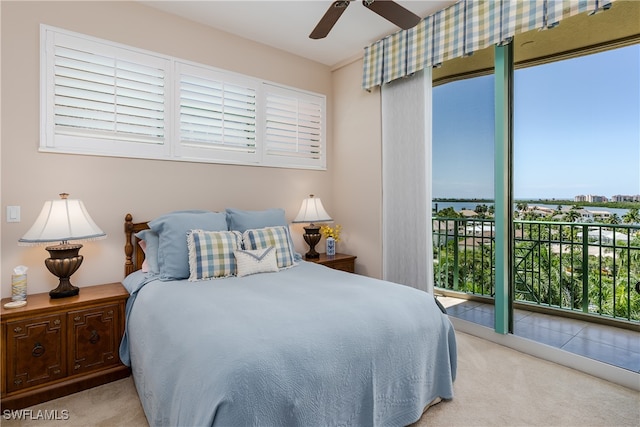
(133, 253)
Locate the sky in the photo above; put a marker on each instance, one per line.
(576, 130)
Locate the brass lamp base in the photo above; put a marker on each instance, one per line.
(64, 261)
(312, 237)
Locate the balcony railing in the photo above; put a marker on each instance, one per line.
(579, 267)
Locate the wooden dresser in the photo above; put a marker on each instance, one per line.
(55, 347)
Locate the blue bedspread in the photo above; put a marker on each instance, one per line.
(307, 346)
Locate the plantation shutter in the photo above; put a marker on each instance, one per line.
(102, 98)
(294, 131)
(217, 114)
(100, 93)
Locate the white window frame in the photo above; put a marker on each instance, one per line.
(170, 147)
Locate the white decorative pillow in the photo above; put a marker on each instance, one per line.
(211, 253)
(256, 261)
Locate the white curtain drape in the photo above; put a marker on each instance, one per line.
(407, 250)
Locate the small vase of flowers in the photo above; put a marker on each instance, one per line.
(332, 235)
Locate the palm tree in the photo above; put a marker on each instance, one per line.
(631, 217)
(613, 219)
(572, 215)
(481, 209)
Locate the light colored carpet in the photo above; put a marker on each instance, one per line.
(496, 386)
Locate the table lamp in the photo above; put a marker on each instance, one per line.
(312, 211)
(62, 221)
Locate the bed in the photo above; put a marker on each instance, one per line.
(254, 345)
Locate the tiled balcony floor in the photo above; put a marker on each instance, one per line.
(608, 344)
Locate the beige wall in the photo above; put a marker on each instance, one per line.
(111, 187)
(357, 161)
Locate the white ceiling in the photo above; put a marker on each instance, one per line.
(286, 24)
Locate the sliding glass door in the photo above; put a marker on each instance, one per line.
(536, 178)
(463, 184)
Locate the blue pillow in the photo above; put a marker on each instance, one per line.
(151, 251)
(242, 220)
(172, 229)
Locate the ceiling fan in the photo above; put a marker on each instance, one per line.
(389, 10)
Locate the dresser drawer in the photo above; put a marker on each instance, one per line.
(35, 351)
(95, 338)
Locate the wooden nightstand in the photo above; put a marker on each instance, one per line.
(342, 262)
(55, 347)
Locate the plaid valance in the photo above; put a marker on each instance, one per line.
(461, 29)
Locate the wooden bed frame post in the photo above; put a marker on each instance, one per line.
(134, 255)
(128, 247)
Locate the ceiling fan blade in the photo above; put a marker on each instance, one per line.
(393, 12)
(329, 19)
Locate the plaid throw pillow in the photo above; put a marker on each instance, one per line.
(211, 253)
(278, 237)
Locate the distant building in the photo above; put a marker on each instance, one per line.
(541, 210)
(468, 213)
(600, 216)
(625, 198)
(591, 198)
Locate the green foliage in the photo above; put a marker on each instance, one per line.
(550, 267)
(631, 217)
(448, 212)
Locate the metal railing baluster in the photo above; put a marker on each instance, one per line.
(542, 273)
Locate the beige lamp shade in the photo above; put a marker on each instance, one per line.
(312, 211)
(61, 221)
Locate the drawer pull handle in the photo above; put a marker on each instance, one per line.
(56, 372)
(38, 350)
(95, 337)
(17, 329)
(76, 366)
(17, 381)
(77, 318)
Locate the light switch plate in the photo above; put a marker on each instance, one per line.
(13, 213)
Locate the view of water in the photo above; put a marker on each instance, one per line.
(458, 206)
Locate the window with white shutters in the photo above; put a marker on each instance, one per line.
(217, 115)
(103, 98)
(294, 132)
